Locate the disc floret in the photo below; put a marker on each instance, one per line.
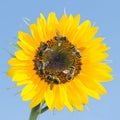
(57, 61)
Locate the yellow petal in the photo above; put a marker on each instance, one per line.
(23, 82)
(81, 33)
(34, 31)
(49, 98)
(16, 62)
(82, 91)
(40, 94)
(92, 84)
(58, 101)
(20, 54)
(26, 48)
(67, 26)
(42, 28)
(65, 98)
(27, 39)
(52, 25)
(28, 92)
(74, 96)
(90, 35)
(20, 77)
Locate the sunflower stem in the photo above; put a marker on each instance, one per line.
(37, 111)
(34, 113)
(44, 109)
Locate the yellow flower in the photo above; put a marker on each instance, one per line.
(62, 62)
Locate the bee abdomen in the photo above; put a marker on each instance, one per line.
(40, 67)
(78, 54)
(52, 79)
(76, 51)
(71, 73)
(42, 49)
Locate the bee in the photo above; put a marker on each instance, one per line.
(60, 38)
(76, 51)
(71, 73)
(42, 49)
(53, 80)
(41, 67)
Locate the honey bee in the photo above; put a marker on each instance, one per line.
(42, 49)
(60, 38)
(41, 67)
(76, 51)
(53, 80)
(71, 73)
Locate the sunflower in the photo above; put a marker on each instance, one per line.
(62, 63)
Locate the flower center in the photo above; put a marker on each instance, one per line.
(57, 61)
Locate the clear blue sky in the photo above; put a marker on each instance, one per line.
(104, 13)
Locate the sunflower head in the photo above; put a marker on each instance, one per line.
(62, 62)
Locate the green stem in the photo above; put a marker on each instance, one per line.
(36, 111)
(44, 109)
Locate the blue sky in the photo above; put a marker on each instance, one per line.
(104, 13)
